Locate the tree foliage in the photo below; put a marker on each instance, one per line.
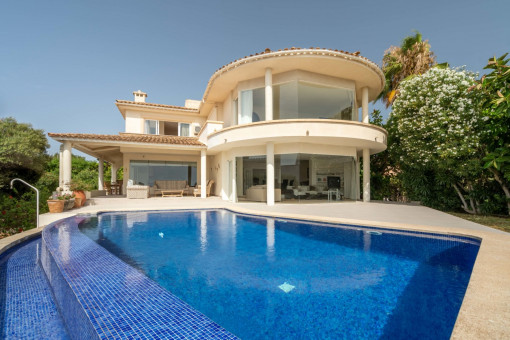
(22, 152)
(494, 91)
(385, 182)
(22, 155)
(84, 173)
(412, 57)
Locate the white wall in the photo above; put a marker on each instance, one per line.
(228, 118)
(134, 122)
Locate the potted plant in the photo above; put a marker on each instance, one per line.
(79, 193)
(59, 202)
(68, 201)
(56, 203)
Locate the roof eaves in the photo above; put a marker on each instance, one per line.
(290, 52)
(119, 139)
(120, 102)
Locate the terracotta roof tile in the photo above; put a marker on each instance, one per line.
(267, 51)
(156, 105)
(131, 137)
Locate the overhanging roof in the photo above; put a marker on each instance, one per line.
(124, 105)
(109, 146)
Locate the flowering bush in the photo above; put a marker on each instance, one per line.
(436, 119)
(436, 125)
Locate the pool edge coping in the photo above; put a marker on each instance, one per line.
(9, 242)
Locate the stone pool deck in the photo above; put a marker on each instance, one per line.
(485, 312)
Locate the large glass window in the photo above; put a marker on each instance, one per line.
(253, 107)
(301, 100)
(298, 100)
(299, 177)
(147, 172)
(152, 127)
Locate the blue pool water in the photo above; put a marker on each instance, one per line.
(27, 309)
(271, 278)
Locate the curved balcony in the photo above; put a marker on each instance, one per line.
(313, 131)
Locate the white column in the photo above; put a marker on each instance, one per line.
(114, 173)
(203, 171)
(366, 175)
(269, 94)
(239, 176)
(125, 165)
(67, 156)
(100, 174)
(364, 104)
(234, 180)
(270, 172)
(61, 167)
(356, 173)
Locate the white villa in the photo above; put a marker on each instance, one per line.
(274, 126)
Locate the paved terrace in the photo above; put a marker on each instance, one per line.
(378, 214)
(485, 312)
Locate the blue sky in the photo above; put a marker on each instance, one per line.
(63, 63)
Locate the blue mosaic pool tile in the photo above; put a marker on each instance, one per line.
(102, 297)
(27, 309)
(357, 321)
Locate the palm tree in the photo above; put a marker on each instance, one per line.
(413, 56)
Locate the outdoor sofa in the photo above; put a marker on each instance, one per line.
(161, 186)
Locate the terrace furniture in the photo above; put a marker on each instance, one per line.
(169, 185)
(334, 192)
(189, 190)
(258, 193)
(107, 188)
(115, 189)
(172, 193)
(198, 190)
(138, 191)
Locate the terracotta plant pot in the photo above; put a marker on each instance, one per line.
(79, 194)
(55, 206)
(77, 202)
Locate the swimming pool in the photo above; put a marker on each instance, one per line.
(262, 277)
(27, 309)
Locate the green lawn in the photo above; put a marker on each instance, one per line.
(502, 223)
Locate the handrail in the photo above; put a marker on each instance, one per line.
(37, 191)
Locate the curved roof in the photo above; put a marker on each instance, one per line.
(335, 63)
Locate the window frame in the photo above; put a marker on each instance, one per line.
(147, 128)
(179, 129)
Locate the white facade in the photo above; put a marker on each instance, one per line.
(275, 126)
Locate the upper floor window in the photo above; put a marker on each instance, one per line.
(184, 129)
(152, 127)
(298, 100)
(253, 107)
(301, 100)
(175, 129)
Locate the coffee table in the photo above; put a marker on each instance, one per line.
(172, 193)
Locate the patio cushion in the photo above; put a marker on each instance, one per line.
(170, 185)
(137, 191)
